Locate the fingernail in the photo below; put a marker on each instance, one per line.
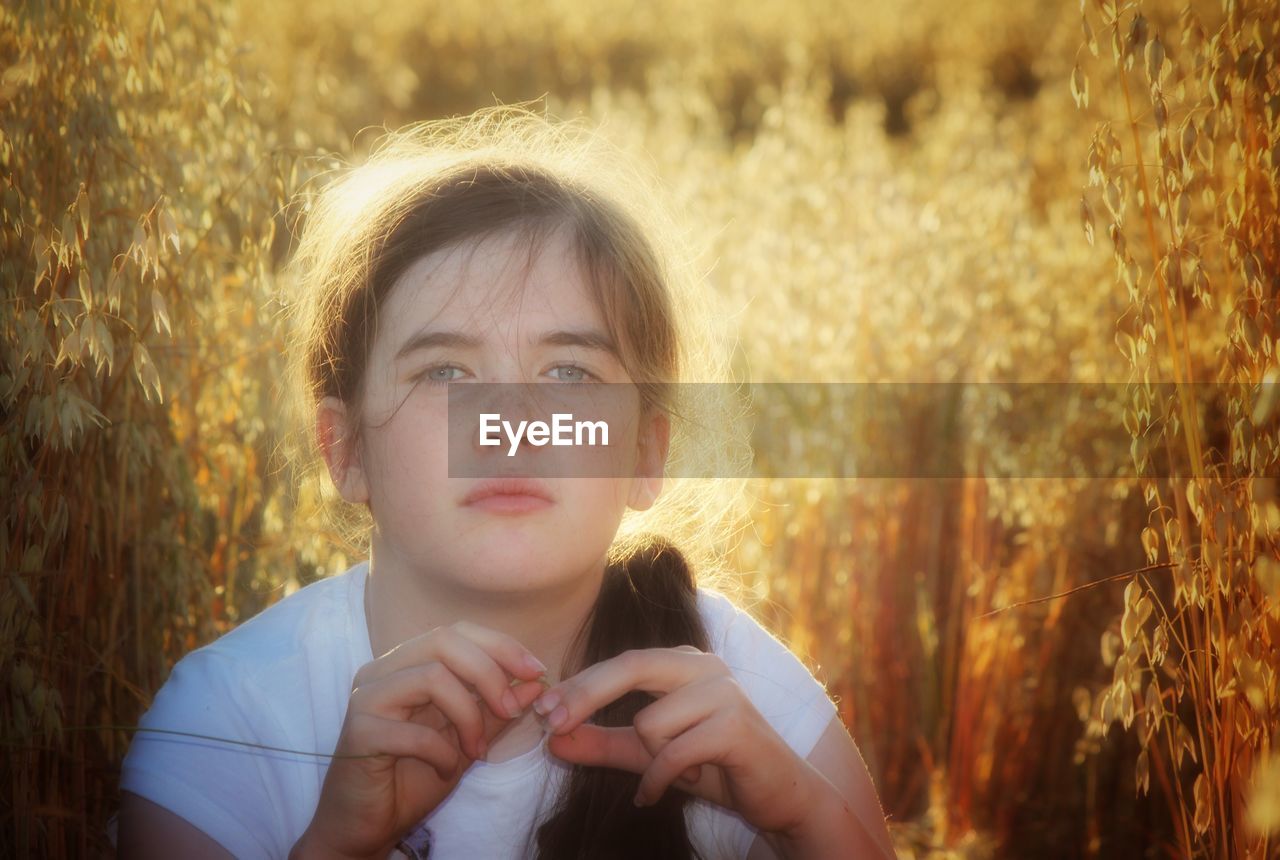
(638, 800)
(534, 663)
(546, 703)
(512, 704)
(557, 717)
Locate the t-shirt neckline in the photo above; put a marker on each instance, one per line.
(487, 772)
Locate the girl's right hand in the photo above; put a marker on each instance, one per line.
(413, 708)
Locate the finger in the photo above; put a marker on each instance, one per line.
(397, 695)
(504, 650)
(371, 734)
(602, 746)
(653, 670)
(525, 692)
(703, 743)
(483, 658)
(665, 719)
(680, 710)
(606, 746)
(431, 716)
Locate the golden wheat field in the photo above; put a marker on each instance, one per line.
(925, 192)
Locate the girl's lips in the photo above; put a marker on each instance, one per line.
(507, 503)
(509, 496)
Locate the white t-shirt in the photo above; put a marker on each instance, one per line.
(283, 678)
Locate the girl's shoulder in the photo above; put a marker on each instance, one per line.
(794, 702)
(733, 627)
(777, 681)
(279, 680)
(314, 623)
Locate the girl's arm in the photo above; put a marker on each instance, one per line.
(847, 819)
(148, 830)
(703, 734)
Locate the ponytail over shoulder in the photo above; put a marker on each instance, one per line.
(648, 599)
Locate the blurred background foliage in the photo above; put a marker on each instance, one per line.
(922, 191)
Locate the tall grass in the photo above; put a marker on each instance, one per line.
(140, 192)
(1187, 161)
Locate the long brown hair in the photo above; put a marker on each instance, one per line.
(447, 183)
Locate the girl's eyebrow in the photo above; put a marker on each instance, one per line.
(426, 339)
(585, 338)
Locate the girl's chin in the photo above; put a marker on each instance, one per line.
(513, 567)
(508, 559)
(499, 578)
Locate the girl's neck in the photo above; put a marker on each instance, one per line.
(401, 603)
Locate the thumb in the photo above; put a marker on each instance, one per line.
(606, 746)
(525, 692)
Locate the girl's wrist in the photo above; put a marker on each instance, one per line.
(311, 847)
(828, 829)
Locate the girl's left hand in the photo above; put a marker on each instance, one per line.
(702, 717)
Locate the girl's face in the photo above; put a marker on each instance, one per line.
(485, 327)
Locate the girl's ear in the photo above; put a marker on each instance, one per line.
(654, 438)
(340, 454)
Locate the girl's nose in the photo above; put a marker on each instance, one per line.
(507, 408)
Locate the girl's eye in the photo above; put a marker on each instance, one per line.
(437, 374)
(581, 374)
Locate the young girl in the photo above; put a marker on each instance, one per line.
(511, 673)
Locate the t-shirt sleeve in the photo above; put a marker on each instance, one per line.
(224, 789)
(779, 684)
(788, 696)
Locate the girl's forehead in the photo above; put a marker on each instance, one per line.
(497, 284)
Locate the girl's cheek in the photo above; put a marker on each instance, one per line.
(595, 498)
